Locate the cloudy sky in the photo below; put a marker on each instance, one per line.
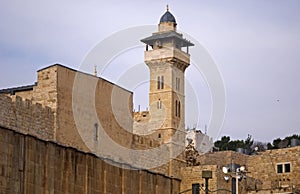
(255, 45)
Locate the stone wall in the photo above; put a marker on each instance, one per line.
(261, 177)
(26, 117)
(71, 121)
(263, 168)
(223, 158)
(191, 175)
(30, 165)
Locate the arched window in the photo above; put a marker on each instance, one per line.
(162, 82)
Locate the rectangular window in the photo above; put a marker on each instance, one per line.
(284, 168)
(287, 167)
(279, 168)
(162, 82)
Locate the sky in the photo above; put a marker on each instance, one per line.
(254, 44)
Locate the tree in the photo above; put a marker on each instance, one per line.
(223, 143)
(191, 155)
(248, 142)
(282, 143)
(226, 144)
(260, 146)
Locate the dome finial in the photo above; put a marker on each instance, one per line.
(167, 17)
(95, 70)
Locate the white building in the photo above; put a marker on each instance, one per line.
(202, 142)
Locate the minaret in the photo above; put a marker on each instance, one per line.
(167, 61)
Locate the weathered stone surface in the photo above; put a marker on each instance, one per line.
(30, 165)
(262, 176)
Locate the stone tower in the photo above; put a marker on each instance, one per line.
(167, 56)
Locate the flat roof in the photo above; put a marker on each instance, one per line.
(13, 90)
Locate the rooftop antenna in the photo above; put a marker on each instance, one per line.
(95, 70)
(167, 7)
(205, 129)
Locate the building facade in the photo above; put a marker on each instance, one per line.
(201, 141)
(75, 110)
(271, 171)
(59, 135)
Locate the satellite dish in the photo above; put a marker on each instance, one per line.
(242, 168)
(225, 169)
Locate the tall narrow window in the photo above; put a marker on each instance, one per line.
(158, 82)
(96, 132)
(159, 106)
(179, 109)
(176, 107)
(279, 168)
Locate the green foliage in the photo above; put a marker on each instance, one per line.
(282, 143)
(226, 144)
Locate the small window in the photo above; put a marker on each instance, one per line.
(159, 106)
(96, 132)
(279, 168)
(287, 167)
(176, 108)
(158, 82)
(159, 135)
(284, 168)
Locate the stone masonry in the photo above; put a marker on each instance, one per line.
(262, 175)
(30, 165)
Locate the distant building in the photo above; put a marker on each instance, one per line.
(271, 171)
(202, 142)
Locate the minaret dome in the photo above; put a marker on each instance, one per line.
(167, 22)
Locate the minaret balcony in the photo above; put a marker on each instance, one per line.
(167, 53)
